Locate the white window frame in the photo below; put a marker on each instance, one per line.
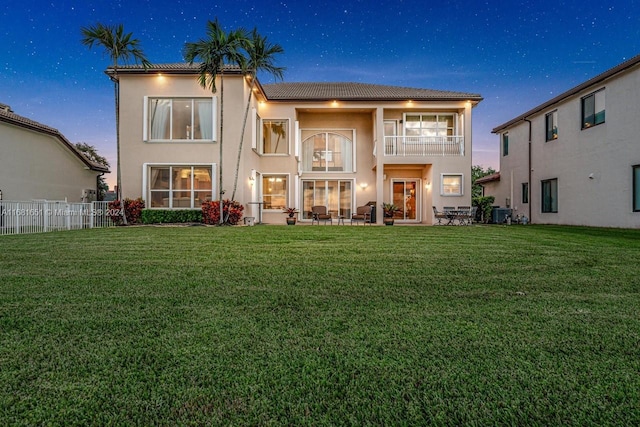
(260, 136)
(146, 190)
(337, 131)
(287, 190)
(447, 175)
(145, 122)
(456, 123)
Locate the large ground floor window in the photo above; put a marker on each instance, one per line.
(185, 187)
(274, 191)
(336, 195)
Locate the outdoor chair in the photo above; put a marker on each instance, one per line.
(439, 215)
(363, 213)
(319, 213)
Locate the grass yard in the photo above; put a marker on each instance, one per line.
(323, 325)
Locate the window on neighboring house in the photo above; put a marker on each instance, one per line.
(177, 186)
(451, 185)
(430, 124)
(327, 151)
(593, 111)
(179, 119)
(505, 144)
(525, 192)
(636, 188)
(551, 125)
(274, 191)
(336, 195)
(550, 195)
(275, 136)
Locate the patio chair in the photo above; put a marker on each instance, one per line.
(438, 215)
(363, 213)
(319, 213)
(472, 215)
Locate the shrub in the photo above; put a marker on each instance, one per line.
(232, 211)
(164, 216)
(485, 205)
(132, 210)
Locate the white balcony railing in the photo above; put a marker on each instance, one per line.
(443, 146)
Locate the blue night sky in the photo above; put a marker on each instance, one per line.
(516, 54)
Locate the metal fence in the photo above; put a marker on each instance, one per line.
(41, 216)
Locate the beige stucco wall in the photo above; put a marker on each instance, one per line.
(593, 166)
(366, 118)
(38, 166)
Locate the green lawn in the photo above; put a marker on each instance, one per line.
(323, 325)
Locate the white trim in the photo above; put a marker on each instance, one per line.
(146, 191)
(254, 128)
(296, 149)
(145, 119)
(442, 175)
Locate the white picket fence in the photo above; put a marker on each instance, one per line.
(41, 216)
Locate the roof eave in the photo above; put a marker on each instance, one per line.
(600, 78)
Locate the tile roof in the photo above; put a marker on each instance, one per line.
(8, 116)
(599, 79)
(488, 178)
(358, 92)
(317, 91)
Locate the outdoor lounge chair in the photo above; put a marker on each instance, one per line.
(319, 213)
(363, 213)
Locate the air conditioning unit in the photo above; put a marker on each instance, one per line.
(88, 195)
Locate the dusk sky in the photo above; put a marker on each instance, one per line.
(516, 54)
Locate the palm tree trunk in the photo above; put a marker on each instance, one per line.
(116, 88)
(244, 126)
(220, 190)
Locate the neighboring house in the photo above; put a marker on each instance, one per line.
(38, 162)
(575, 159)
(340, 145)
(489, 184)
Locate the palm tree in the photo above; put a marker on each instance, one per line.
(119, 47)
(219, 47)
(260, 54)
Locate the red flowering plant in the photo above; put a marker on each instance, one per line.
(132, 210)
(231, 210)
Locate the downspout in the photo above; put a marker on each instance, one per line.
(529, 169)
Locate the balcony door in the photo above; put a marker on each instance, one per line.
(406, 196)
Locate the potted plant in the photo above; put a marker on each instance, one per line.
(389, 210)
(291, 220)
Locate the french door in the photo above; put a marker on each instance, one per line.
(406, 196)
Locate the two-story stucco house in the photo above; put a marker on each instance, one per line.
(38, 162)
(575, 159)
(340, 145)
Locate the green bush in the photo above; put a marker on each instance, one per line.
(485, 205)
(164, 216)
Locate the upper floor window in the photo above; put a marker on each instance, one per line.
(636, 188)
(593, 110)
(275, 136)
(550, 195)
(179, 119)
(451, 185)
(430, 124)
(327, 151)
(551, 125)
(505, 144)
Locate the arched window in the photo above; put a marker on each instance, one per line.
(327, 152)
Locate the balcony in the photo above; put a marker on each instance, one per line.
(424, 146)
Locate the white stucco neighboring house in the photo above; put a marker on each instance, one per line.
(38, 162)
(575, 159)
